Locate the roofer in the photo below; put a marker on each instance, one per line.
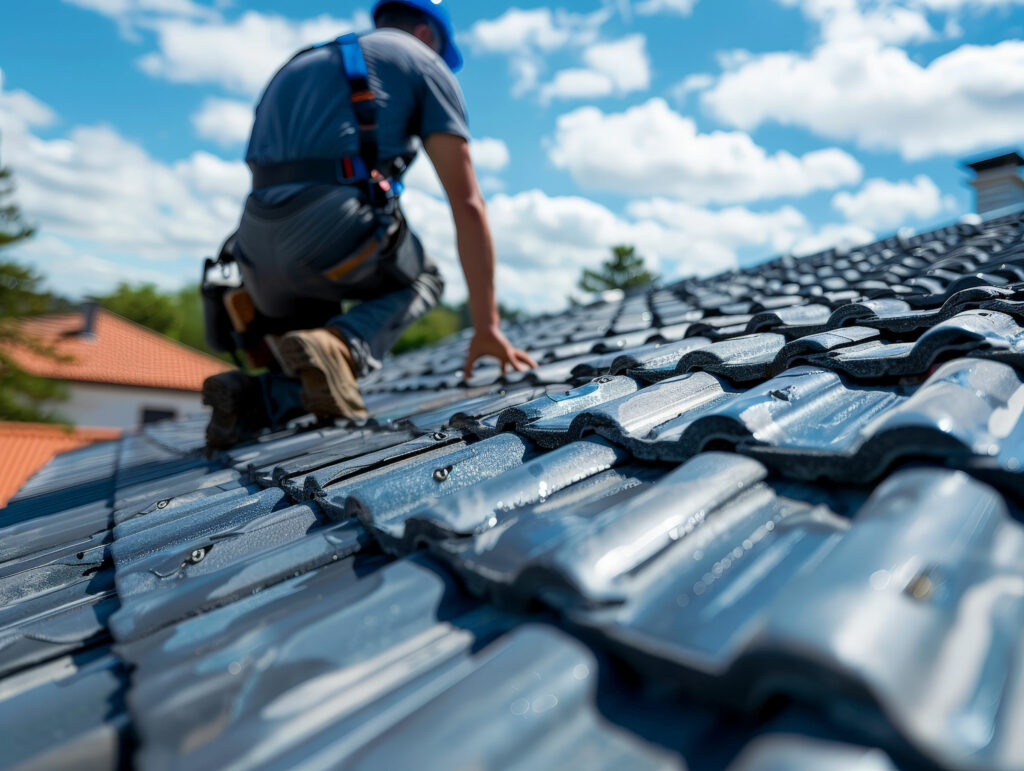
(333, 133)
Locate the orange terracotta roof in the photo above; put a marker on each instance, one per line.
(120, 352)
(27, 447)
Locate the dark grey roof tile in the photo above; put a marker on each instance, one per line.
(793, 752)
(62, 621)
(740, 359)
(796, 315)
(975, 332)
(643, 541)
(56, 533)
(266, 681)
(529, 702)
(356, 444)
(373, 465)
(201, 523)
(132, 520)
(381, 507)
(808, 349)
(254, 561)
(921, 555)
(67, 714)
(556, 405)
(492, 501)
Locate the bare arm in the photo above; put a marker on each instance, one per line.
(451, 159)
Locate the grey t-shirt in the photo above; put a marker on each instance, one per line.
(306, 112)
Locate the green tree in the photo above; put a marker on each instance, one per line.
(436, 325)
(146, 305)
(623, 270)
(13, 227)
(22, 396)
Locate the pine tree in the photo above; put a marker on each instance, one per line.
(13, 227)
(22, 396)
(623, 270)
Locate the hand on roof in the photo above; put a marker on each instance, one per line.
(491, 341)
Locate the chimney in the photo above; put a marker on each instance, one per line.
(998, 186)
(89, 310)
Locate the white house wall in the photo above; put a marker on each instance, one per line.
(110, 406)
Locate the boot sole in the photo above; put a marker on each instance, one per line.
(230, 411)
(320, 381)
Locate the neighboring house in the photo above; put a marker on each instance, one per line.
(118, 374)
(27, 447)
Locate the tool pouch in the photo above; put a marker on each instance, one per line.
(216, 283)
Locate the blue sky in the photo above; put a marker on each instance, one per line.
(711, 133)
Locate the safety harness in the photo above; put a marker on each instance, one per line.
(382, 188)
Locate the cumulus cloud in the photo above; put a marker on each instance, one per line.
(652, 7)
(617, 67)
(858, 86)
(651, 150)
(100, 190)
(544, 241)
(528, 36)
(239, 55)
(224, 121)
(839, 236)
(883, 204)
(858, 19)
(537, 29)
(489, 154)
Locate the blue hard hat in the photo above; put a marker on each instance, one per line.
(438, 13)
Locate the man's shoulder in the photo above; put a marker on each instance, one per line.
(403, 51)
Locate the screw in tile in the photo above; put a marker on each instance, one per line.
(921, 588)
(438, 436)
(441, 474)
(163, 504)
(605, 379)
(197, 555)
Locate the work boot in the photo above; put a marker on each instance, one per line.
(323, 362)
(239, 413)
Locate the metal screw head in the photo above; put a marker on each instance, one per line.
(921, 588)
(604, 379)
(438, 436)
(197, 555)
(441, 474)
(163, 504)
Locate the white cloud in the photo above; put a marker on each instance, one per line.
(528, 37)
(838, 236)
(489, 154)
(883, 204)
(957, 5)
(699, 81)
(651, 150)
(543, 241)
(862, 19)
(734, 227)
(106, 193)
(652, 7)
(224, 121)
(538, 29)
(877, 96)
(238, 55)
(616, 67)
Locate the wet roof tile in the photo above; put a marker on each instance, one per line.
(678, 494)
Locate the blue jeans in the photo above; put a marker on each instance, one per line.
(287, 254)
